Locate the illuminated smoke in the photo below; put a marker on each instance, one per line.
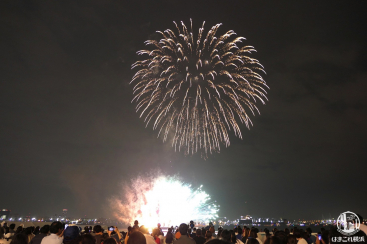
(165, 200)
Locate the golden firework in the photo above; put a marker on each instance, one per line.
(195, 90)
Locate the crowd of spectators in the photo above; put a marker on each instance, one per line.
(58, 233)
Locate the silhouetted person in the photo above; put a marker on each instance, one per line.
(42, 234)
(56, 233)
(198, 238)
(98, 234)
(87, 239)
(169, 237)
(136, 238)
(184, 239)
(19, 238)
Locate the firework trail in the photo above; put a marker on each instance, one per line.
(195, 89)
(165, 200)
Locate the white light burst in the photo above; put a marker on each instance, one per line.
(165, 200)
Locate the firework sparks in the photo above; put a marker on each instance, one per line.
(196, 89)
(165, 200)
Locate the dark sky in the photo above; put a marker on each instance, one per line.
(70, 136)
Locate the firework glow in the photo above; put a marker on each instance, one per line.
(196, 89)
(165, 200)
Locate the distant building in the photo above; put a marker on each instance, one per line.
(64, 213)
(245, 222)
(4, 214)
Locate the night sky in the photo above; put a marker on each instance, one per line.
(70, 136)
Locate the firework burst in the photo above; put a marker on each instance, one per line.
(165, 200)
(197, 89)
